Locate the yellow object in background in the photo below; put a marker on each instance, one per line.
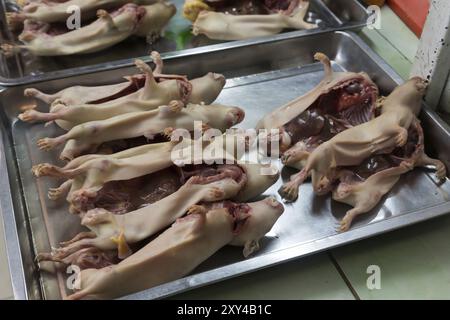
(192, 8)
(379, 3)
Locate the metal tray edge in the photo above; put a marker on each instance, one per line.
(9, 82)
(13, 250)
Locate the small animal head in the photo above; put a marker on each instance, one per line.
(420, 84)
(235, 116)
(206, 89)
(409, 94)
(260, 218)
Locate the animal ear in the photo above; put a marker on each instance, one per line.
(250, 247)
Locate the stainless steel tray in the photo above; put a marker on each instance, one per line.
(280, 71)
(177, 40)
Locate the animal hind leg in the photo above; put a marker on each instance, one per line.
(289, 191)
(441, 171)
(63, 189)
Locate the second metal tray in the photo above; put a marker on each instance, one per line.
(177, 40)
(281, 71)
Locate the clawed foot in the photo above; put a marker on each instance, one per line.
(96, 217)
(196, 209)
(31, 92)
(46, 257)
(143, 67)
(28, 107)
(407, 165)
(215, 194)
(156, 58)
(30, 116)
(47, 144)
(441, 171)
(103, 14)
(14, 20)
(45, 169)
(172, 108)
(176, 106)
(289, 191)
(8, 49)
(290, 156)
(55, 193)
(61, 254)
(345, 223)
(401, 138)
(58, 104)
(78, 237)
(286, 158)
(167, 133)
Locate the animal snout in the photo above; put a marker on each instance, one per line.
(236, 115)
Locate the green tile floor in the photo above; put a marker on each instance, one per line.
(414, 261)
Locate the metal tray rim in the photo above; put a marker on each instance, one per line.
(29, 79)
(13, 250)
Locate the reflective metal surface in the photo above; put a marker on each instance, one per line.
(177, 40)
(280, 71)
(10, 222)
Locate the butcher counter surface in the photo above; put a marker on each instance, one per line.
(413, 261)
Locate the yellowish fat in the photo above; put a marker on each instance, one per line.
(192, 8)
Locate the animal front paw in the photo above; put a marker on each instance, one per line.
(78, 237)
(43, 169)
(407, 165)
(196, 209)
(176, 106)
(441, 171)
(29, 116)
(346, 222)
(81, 200)
(214, 194)
(167, 133)
(8, 49)
(344, 225)
(96, 217)
(46, 144)
(287, 157)
(26, 107)
(142, 66)
(401, 138)
(55, 193)
(289, 191)
(294, 157)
